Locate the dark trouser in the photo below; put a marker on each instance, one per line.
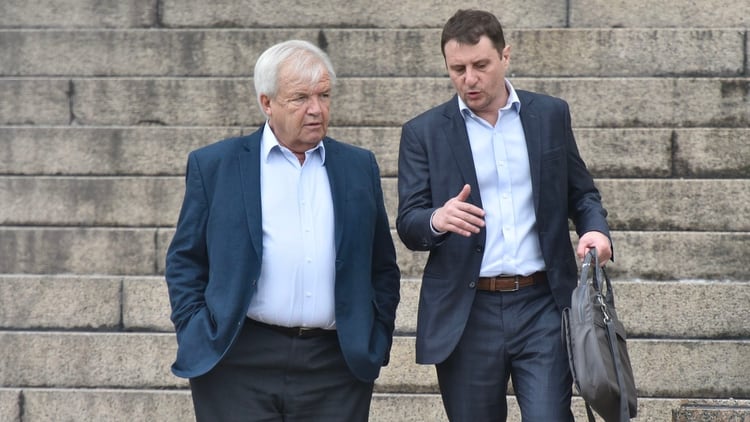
(268, 376)
(509, 335)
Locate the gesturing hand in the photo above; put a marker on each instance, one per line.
(459, 216)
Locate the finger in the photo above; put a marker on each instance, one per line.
(474, 220)
(464, 194)
(582, 250)
(464, 229)
(605, 254)
(463, 224)
(472, 213)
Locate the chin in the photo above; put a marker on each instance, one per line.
(316, 136)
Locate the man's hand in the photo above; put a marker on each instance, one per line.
(596, 240)
(459, 216)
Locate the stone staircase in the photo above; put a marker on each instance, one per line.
(101, 100)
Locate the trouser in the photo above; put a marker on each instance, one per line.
(512, 335)
(270, 376)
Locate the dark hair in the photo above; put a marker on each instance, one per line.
(468, 26)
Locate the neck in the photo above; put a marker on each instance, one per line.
(300, 156)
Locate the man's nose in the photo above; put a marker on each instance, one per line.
(470, 77)
(314, 104)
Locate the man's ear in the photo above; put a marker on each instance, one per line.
(506, 53)
(265, 103)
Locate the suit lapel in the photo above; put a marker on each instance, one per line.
(530, 122)
(458, 140)
(337, 179)
(249, 162)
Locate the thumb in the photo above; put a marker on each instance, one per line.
(464, 194)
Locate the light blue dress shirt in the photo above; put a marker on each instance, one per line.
(501, 161)
(296, 284)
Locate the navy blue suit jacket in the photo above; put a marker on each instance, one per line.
(435, 161)
(213, 262)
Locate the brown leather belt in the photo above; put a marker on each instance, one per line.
(510, 283)
(301, 332)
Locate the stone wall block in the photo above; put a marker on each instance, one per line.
(59, 302)
(35, 102)
(77, 250)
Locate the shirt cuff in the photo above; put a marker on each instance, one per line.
(435, 232)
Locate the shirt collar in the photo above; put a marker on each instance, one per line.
(269, 142)
(513, 101)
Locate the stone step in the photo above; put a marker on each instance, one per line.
(710, 411)
(136, 151)
(37, 404)
(672, 102)
(364, 14)
(81, 250)
(79, 13)
(91, 201)
(634, 204)
(536, 13)
(228, 13)
(671, 13)
(661, 255)
(400, 52)
(662, 368)
(658, 309)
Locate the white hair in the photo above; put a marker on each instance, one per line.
(305, 60)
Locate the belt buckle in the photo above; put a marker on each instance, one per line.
(515, 288)
(302, 330)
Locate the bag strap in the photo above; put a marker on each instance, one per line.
(614, 350)
(624, 412)
(582, 281)
(589, 412)
(609, 300)
(601, 279)
(569, 346)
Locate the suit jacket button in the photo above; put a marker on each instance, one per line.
(472, 285)
(479, 248)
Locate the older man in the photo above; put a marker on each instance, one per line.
(282, 272)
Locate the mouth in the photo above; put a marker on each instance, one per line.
(315, 125)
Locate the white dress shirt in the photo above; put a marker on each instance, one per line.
(296, 284)
(501, 160)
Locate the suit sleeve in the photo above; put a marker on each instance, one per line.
(584, 200)
(187, 259)
(415, 196)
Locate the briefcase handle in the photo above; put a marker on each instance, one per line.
(599, 279)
